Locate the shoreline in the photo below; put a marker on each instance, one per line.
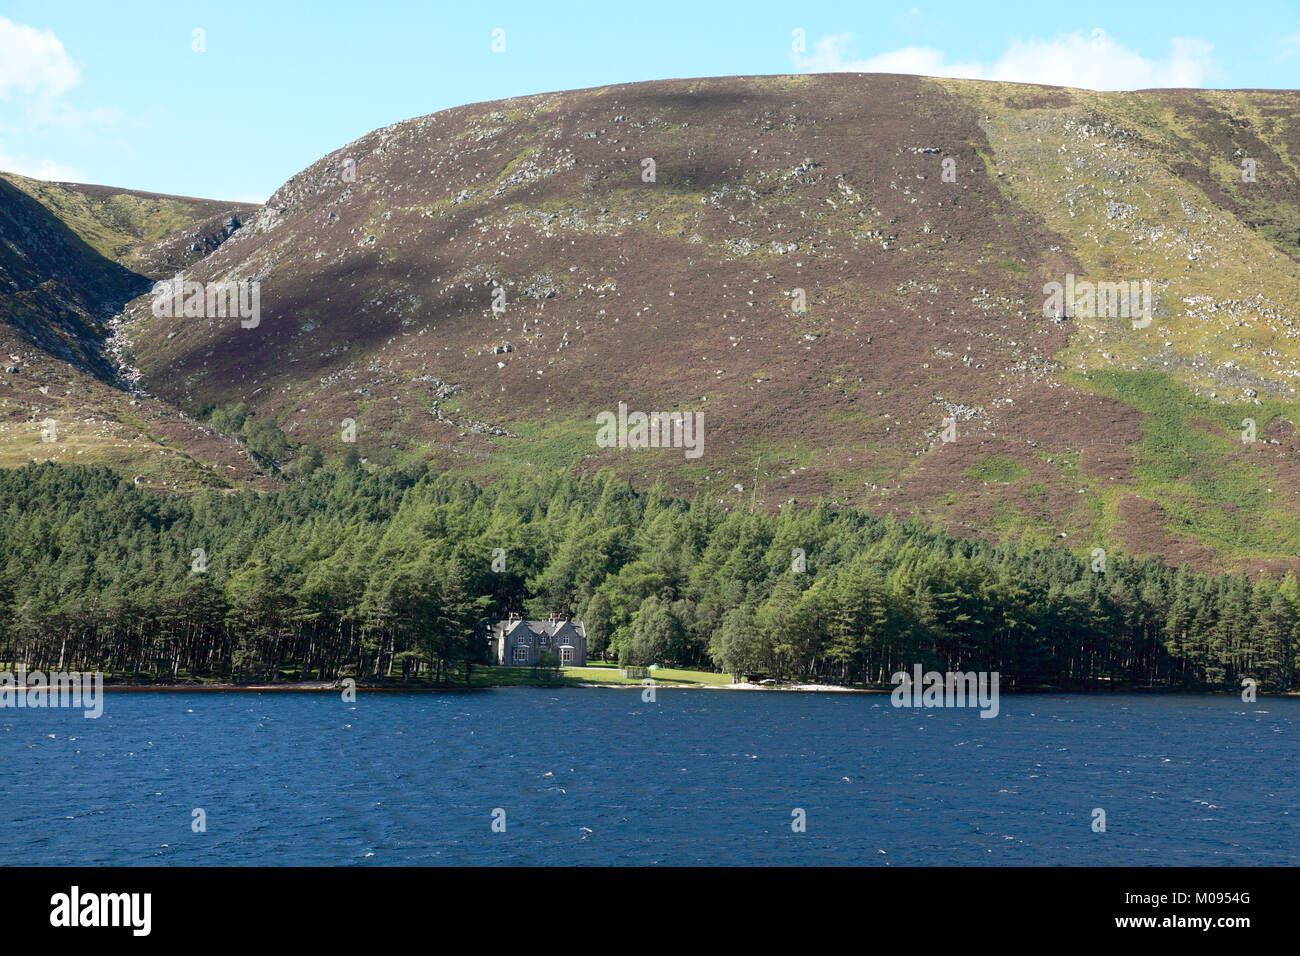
(789, 688)
(318, 687)
(306, 687)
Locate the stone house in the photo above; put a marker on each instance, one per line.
(519, 642)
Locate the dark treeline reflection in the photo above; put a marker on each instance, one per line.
(391, 573)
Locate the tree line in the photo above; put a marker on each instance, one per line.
(394, 573)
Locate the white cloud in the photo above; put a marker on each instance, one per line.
(45, 168)
(36, 73)
(33, 62)
(1095, 62)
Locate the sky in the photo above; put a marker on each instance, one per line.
(228, 100)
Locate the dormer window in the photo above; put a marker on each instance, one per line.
(562, 637)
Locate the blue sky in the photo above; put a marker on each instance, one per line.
(114, 93)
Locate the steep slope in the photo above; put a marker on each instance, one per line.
(378, 269)
(62, 279)
(149, 233)
(56, 289)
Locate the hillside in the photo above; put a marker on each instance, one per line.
(924, 301)
(149, 233)
(70, 257)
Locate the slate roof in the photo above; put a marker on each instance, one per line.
(549, 628)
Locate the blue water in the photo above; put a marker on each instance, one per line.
(595, 776)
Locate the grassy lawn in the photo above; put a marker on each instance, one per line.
(608, 673)
(483, 676)
(494, 676)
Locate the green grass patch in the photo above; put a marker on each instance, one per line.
(999, 469)
(1192, 461)
(598, 673)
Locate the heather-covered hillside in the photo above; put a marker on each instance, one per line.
(70, 257)
(843, 275)
(924, 301)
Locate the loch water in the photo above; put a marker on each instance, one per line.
(601, 776)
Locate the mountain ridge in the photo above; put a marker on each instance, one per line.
(924, 301)
(72, 256)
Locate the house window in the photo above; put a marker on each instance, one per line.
(521, 655)
(566, 655)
